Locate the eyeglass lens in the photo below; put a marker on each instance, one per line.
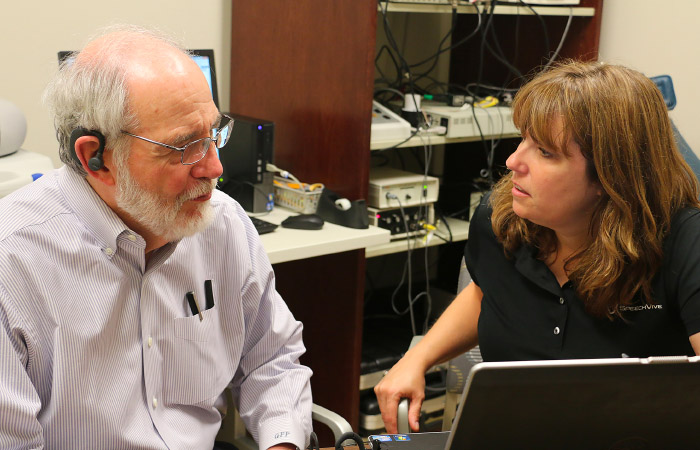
(223, 134)
(197, 150)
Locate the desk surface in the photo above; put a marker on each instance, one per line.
(285, 244)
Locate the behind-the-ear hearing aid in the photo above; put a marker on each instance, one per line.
(96, 162)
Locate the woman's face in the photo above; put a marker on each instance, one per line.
(550, 188)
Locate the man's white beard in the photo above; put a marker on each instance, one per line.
(160, 216)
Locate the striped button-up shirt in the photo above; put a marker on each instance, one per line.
(100, 350)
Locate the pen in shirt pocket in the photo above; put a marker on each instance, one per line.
(209, 294)
(194, 305)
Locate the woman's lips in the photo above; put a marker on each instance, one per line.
(519, 191)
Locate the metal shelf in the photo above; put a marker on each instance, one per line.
(514, 10)
(433, 139)
(369, 380)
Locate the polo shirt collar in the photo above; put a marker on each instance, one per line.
(535, 270)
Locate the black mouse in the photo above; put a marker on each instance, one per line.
(303, 222)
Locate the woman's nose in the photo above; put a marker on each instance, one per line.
(514, 161)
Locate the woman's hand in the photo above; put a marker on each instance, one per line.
(455, 332)
(405, 380)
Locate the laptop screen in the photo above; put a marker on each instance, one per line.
(580, 404)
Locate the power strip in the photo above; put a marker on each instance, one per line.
(546, 2)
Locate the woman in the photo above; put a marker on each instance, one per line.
(588, 248)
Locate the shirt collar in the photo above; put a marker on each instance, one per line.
(535, 270)
(100, 220)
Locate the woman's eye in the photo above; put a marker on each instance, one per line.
(544, 152)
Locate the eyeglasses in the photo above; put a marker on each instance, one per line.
(195, 151)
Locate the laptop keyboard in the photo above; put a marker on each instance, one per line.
(263, 226)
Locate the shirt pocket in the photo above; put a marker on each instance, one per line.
(198, 365)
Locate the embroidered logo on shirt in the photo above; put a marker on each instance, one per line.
(623, 308)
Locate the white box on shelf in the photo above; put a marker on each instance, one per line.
(410, 188)
(492, 121)
(387, 125)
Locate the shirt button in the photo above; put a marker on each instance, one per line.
(109, 251)
(561, 300)
(131, 237)
(150, 342)
(155, 403)
(556, 330)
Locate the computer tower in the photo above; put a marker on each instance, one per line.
(244, 159)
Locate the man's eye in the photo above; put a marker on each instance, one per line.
(544, 152)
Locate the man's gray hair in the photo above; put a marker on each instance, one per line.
(92, 92)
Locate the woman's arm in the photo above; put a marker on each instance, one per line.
(454, 333)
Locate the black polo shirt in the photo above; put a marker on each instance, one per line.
(526, 315)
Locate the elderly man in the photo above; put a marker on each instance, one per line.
(132, 293)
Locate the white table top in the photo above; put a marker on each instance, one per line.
(285, 244)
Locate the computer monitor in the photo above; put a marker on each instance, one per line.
(204, 59)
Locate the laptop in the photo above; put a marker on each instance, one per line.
(616, 404)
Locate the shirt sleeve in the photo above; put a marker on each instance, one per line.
(273, 388)
(479, 229)
(19, 402)
(682, 260)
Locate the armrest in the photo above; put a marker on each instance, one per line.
(402, 417)
(334, 421)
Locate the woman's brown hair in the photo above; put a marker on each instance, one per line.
(619, 119)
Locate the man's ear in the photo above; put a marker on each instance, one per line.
(89, 149)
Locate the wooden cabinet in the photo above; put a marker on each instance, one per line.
(308, 66)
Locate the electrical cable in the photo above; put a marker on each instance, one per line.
(428, 297)
(285, 174)
(392, 42)
(498, 53)
(544, 24)
(407, 269)
(396, 64)
(563, 38)
(389, 89)
(435, 58)
(415, 132)
(349, 435)
(427, 156)
(463, 40)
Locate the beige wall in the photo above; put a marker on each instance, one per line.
(31, 33)
(659, 38)
(644, 34)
